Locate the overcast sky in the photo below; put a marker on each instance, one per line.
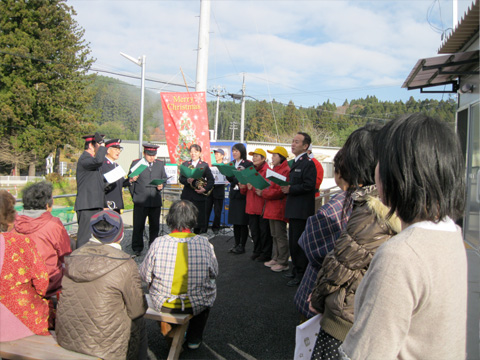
(305, 51)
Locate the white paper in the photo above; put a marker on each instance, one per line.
(115, 174)
(275, 175)
(172, 173)
(141, 162)
(217, 175)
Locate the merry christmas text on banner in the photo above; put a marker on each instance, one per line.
(186, 123)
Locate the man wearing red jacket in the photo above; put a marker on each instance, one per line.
(45, 230)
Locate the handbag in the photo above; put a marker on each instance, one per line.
(305, 338)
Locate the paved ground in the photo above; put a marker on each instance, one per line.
(253, 316)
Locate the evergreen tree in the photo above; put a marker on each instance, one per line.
(43, 79)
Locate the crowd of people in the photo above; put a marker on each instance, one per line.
(383, 261)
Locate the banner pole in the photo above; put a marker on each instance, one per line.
(185, 81)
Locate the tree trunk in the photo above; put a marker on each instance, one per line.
(31, 168)
(56, 164)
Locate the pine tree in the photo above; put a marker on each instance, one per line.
(43, 92)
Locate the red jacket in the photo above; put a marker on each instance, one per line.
(53, 243)
(275, 198)
(255, 203)
(319, 180)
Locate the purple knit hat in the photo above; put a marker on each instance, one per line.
(112, 235)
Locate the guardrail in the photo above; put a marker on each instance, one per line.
(173, 194)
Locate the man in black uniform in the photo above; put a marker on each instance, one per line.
(300, 203)
(90, 187)
(147, 199)
(216, 197)
(113, 191)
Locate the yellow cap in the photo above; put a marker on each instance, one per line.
(279, 150)
(259, 152)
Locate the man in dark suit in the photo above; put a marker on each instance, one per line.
(90, 187)
(192, 188)
(114, 190)
(147, 199)
(300, 203)
(216, 197)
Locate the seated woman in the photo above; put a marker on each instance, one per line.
(100, 311)
(24, 280)
(197, 190)
(412, 302)
(48, 233)
(181, 269)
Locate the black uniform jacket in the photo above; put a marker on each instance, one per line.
(144, 194)
(301, 196)
(234, 190)
(113, 191)
(188, 193)
(90, 187)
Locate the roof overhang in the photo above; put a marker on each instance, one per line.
(442, 70)
(465, 30)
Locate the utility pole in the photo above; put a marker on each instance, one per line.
(233, 127)
(203, 41)
(242, 118)
(141, 61)
(217, 90)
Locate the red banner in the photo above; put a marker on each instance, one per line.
(186, 123)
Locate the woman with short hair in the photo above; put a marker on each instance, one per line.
(24, 280)
(412, 302)
(197, 190)
(180, 269)
(47, 231)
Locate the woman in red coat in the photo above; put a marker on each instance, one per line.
(275, 212)
(23, 310)
(259, 226)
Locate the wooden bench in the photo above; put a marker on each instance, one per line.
(38, 347)
(180, 322)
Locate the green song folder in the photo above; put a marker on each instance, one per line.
(195, 173)
(226, 169)
(251, 176)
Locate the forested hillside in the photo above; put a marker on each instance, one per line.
(117, 105)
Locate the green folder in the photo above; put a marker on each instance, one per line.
(195, 173)
(137, 171)
(291, 162)
(251, 176)
(226, 169)
(157, 182)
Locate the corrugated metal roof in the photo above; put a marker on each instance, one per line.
(464, 31)
(442, 70)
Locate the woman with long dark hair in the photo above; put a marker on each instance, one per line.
(236, 213)
(412, 302)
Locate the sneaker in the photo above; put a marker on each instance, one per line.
(239, 249)
(194, 345)
(270, 263)
(279, 268)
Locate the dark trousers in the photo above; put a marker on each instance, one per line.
(196, 325)
(201, 219)
(84, 233)
(140, 214)
(240, 232)
(262, 239)
(299, 259)
(217, 205)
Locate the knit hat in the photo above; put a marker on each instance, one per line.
(107, 236)
(279, 150)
